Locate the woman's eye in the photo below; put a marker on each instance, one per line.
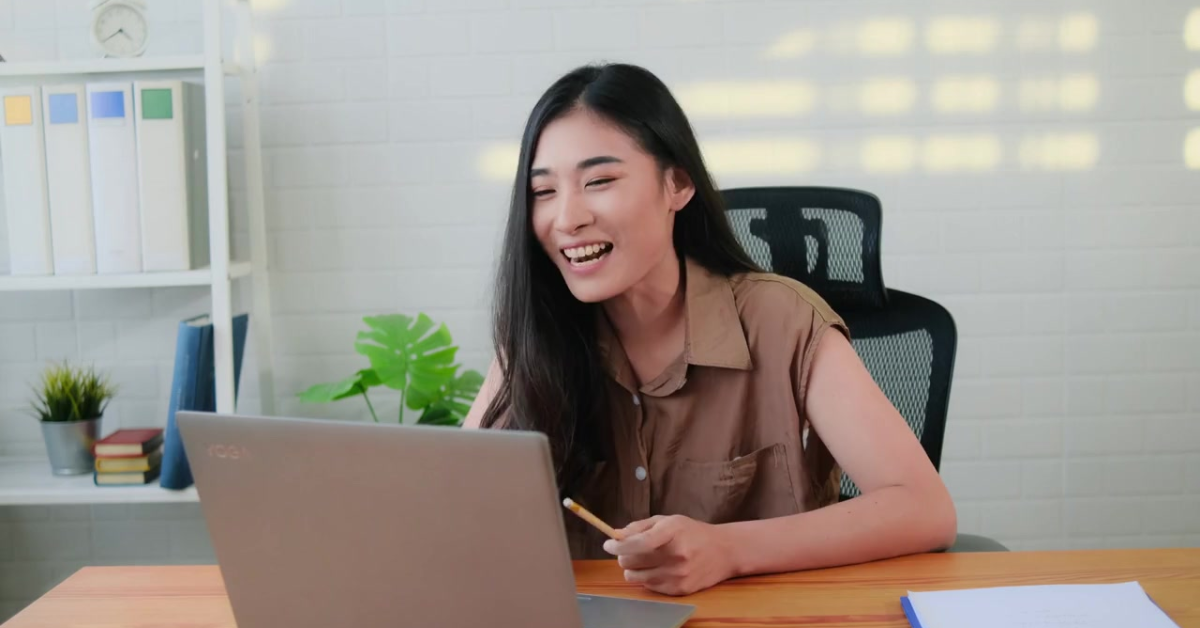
(542, 193)
(598, 182)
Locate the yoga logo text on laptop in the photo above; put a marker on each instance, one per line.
(234, 452)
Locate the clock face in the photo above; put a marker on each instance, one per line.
(120, 30)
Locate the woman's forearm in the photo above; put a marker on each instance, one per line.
(891, 521)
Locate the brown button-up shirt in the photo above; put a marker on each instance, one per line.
(721, 435)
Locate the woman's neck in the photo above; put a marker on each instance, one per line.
(649, 318)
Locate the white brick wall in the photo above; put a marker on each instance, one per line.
(42, 545)
(1053, 213)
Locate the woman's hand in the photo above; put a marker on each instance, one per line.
(673, 555)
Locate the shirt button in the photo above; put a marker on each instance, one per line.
(637, 401)
(640, 473)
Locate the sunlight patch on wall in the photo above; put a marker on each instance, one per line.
(263, 48)
(886, 37)
(887, 96)
(1072, 93)
(749, 99)
(1059, 151)
(965, 94)
(876, 37)
(1191, 149)
(961, 153)
(770, 156)
(1078, 92)
(1191, 90)
(1191, 30)
(1078, 32)
(1072, 33)
(498, 162)
(793, 45)
(962, 35)
(266, 7)
(888, 154)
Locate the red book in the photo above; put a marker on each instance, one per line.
(130, 442)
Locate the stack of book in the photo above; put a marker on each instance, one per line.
(129, 456)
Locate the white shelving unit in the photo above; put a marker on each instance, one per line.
(199, 277)
(103, 66)
(28, 481)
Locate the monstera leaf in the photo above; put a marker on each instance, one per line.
(451, 403)
(408, 355)
(356, 384)
(415, 357)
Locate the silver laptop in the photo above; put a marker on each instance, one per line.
(330, 523)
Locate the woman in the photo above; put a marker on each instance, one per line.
(701, 404)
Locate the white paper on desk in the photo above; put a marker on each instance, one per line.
(1044, 606)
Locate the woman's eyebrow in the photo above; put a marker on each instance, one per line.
(590, 162)
(597, 161)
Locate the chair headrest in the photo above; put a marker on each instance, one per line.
(826, 238)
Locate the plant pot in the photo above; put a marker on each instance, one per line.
(69, 444)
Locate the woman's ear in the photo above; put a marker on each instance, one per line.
(680, 188)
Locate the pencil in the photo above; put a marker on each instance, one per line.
(592, 519)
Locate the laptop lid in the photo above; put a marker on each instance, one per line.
(331, 523)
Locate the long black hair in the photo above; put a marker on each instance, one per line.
(545, 339)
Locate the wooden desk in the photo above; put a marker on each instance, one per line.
(863, 596)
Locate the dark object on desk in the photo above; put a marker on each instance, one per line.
(829, 239)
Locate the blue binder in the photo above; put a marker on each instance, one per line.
(194, 388)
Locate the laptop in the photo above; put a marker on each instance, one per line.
(332, 523)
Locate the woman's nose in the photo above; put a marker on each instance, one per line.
(573, 214)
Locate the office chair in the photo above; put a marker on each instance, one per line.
(828, 239)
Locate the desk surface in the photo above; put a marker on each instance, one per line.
(863, 596)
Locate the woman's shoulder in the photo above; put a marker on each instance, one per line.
(769, 295)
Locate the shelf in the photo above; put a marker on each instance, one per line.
(210, 65)
(200, 277)
(102, 66)
(28, 481)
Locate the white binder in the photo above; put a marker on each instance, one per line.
(68, 172)
(113, 152)
(22, 149)
(172, 166)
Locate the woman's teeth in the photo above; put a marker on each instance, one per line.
(585, 254)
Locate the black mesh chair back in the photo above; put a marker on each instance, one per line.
(828, 239)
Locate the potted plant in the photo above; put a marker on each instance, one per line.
(415, 357)
(69, 402)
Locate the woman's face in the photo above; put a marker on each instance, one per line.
(603, 210)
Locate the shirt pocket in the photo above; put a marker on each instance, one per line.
(757, 485)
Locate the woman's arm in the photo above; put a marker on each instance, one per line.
(491, 385)
(904, 507)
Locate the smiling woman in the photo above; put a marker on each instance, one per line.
(689, 398)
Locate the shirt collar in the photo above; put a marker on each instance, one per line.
(714, 327)
(714, 334)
